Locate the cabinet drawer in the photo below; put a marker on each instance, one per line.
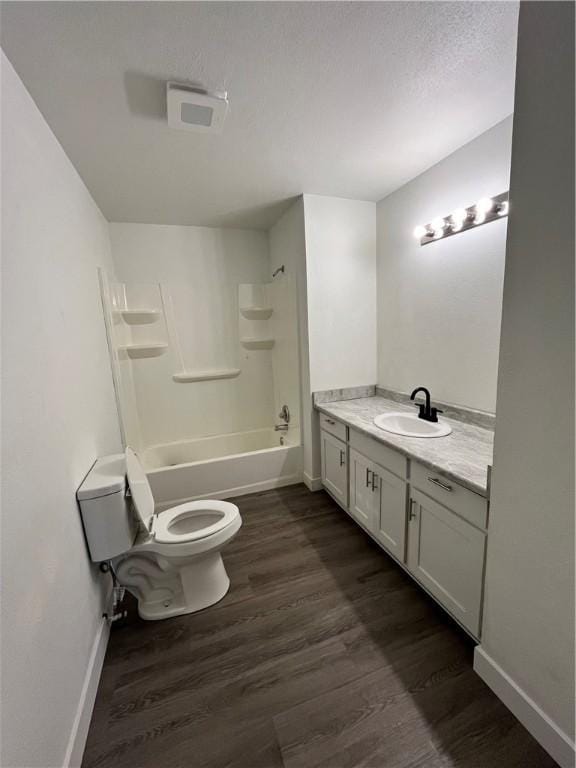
(469, 505)
(336, 428)
(387, 457)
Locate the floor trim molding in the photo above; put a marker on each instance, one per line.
(544, 730)
(79, 732)
(312, 483)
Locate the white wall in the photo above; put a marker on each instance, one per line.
(282, 293)
(528, 627)
(200, 268)
(439, 306)
(288, 247)
(341, 275)
(59, 415)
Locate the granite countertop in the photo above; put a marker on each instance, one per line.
(463, 456)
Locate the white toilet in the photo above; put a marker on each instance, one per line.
(170, 561)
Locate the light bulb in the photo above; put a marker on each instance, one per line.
(438, 226)
(419, 232)
(458, 217)
(485, 204)
(503, 208)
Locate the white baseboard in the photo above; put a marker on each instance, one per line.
(79, 732)
(313, 483)
(242, 490)
(544, 730)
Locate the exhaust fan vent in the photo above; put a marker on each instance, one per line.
(194, 110)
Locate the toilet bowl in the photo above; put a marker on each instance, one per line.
(170, 561)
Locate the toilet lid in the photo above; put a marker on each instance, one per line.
(139, 487)
(193, 521)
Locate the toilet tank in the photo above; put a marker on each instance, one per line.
(109, 524)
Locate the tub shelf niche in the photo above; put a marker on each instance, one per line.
(256, 313)
(138, 316)
(184, 377)
(257, 343)
(136, 351)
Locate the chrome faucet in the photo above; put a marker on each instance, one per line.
(285, 416)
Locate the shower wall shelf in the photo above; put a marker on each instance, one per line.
(189, 376)
(257, 343)
(143, 350)
(256, 313)
(138, 316)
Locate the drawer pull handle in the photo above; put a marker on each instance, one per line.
(368, 473)
(341, 458)
(411, 513)
(444, 486)
(329, 421)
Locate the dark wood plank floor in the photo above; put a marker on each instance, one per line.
(324, 654)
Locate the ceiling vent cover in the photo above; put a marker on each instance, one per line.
(195, 110)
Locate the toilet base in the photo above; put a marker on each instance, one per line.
(203, 582)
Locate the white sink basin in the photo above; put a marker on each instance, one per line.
(410, 425)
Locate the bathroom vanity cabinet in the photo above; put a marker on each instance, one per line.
(435, 528)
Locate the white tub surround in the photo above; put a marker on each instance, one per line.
(194, 273)
(206, 409)
(223, 466)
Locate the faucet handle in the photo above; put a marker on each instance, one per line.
(422, 410)
(284, 414)
(434, 413)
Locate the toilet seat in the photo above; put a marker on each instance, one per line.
(193, 521)
(200, 524)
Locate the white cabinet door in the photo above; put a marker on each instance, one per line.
(446, 554)
(334, 467)
(362, 489)
(390, 517)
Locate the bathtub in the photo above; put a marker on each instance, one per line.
(223, 465)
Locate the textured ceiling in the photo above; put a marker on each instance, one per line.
(350, 99)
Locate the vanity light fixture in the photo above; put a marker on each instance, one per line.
(485, 210)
